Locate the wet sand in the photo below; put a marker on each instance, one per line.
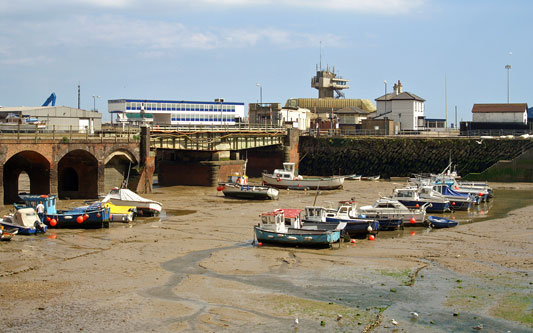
(194, 269)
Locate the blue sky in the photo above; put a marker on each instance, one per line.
(207, 49)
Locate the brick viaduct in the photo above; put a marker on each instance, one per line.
(75, 169)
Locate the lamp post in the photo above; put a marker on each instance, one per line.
(385, 110)
(260, 92)
(507, 67)
(94, 101)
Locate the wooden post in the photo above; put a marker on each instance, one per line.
(53, 132)
(70, 132)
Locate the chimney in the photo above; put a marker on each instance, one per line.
(399, 87)
(395, 89)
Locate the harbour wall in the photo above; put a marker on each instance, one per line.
(403, 156)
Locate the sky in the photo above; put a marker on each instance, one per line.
(451, 53)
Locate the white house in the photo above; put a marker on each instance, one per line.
(403, 107)
(500, 113)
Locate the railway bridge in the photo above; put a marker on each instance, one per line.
(83, 166)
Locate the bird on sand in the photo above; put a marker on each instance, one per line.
(414, 315)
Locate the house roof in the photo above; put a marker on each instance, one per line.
(402, 96)
(484, 108)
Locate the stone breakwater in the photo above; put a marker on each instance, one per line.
(400, 157)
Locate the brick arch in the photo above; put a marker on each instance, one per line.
(77, 174)
(35, 165)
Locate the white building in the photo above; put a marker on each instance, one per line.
(403, 107)
(299, 118)
(500, 113)
(168, 113)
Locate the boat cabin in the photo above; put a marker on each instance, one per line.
(315, 214)
(288, 172)
(49, 201)
(346, 210)
(281, 220)
(406, 193)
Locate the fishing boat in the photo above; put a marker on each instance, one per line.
(458, 201)
(283, 226)
(249, 192)
(413, 197)
(92, 216)
(288, 178)
(7, 234)
(346, 214)
(371, 177)
(124, 197)
(438, 222)
(392, 214)
(25, 221)
(237, 187)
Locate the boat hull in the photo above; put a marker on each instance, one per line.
(437, 222)
(22, 230)
(434, 207)
(250, 192)
(143, 208)
(70, 219)
(298, 237)
(330, 183)
(356, 227)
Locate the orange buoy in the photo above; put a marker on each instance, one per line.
(417, 205)
(260, 244)
(412, 233)
(53, 222)
(79, 219)
(85, 217)
(371, 237)
(48, 218)
(221, 188)
(352, 241)
(412, 220)
(453, 203)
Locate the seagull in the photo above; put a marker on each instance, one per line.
(296, 321)
(478, 327)
(414, 315)
(394, 322)
(479, 142)
(339, 317)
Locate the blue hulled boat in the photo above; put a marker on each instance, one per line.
(414, 197)
(438, 222)
(346, 214)
(88, 217)
(25, 221)
(283, 226)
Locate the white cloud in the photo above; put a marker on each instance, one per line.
(30, 41)
(385, 7)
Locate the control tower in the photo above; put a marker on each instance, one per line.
(327, 83)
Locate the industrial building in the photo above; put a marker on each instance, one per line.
(58, 118)
(172, 113)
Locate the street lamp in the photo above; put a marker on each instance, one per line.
(385, 82)
(507, 67)
(94, 101)
(260, 93)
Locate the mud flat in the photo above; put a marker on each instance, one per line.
(194, 269)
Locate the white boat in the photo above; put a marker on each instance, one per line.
(124, 197)
(386, 209)
(287, 178)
